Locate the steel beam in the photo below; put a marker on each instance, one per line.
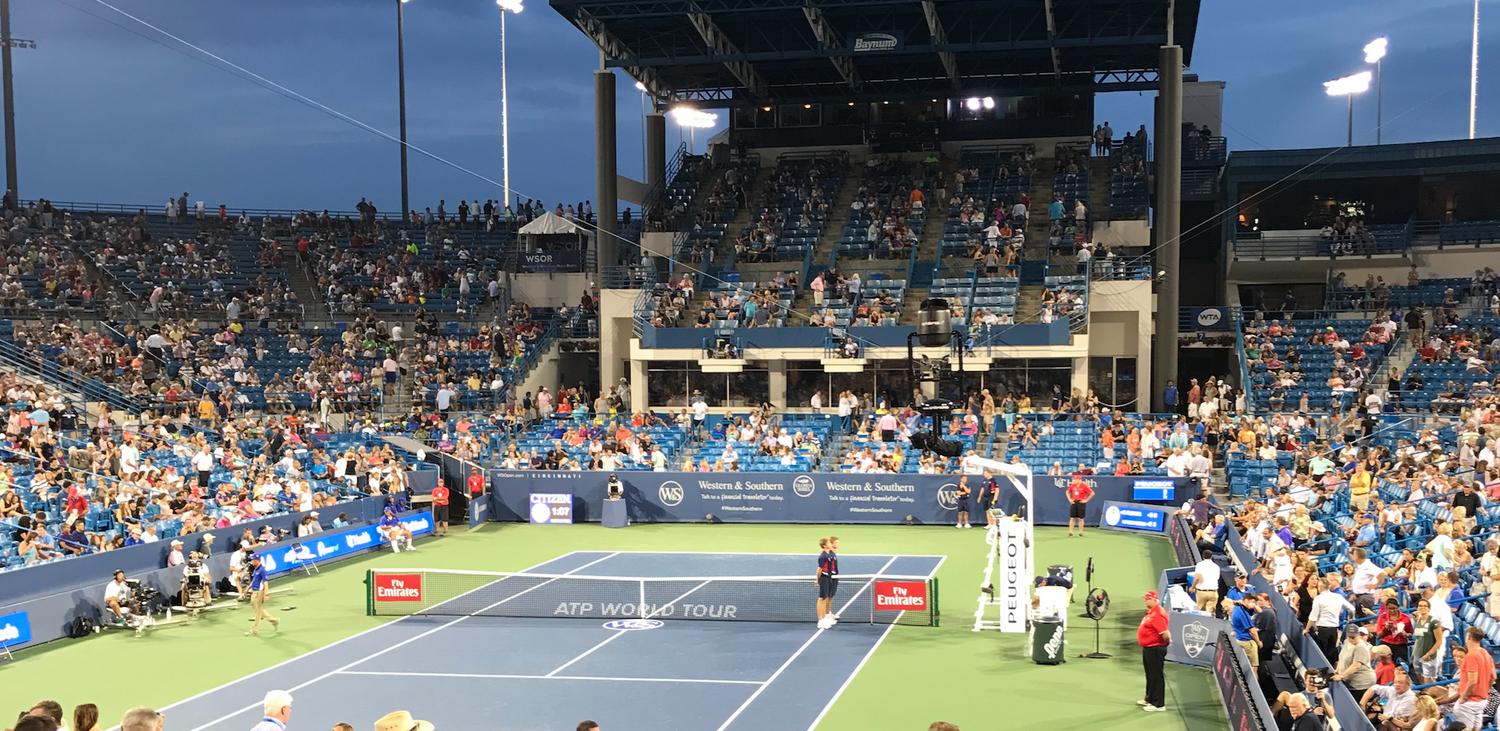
(726, 53)
(618, 55)
(1052, 37)
(830, 39)
(940, 39)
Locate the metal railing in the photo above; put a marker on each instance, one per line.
(1314, 246)
(1200, 182)
(1137, 268)
(34, 364)
(1204, 150)
(1237, 317)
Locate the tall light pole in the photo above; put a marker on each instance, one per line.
(1374, 51)
(7, 43)
(1474, 71)
(1349, 86)
(506, 6)
(642, 89)
(401, 86)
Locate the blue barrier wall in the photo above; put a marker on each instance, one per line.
(53, 594)
(779, 497)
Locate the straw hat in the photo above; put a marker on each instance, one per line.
(401, 721)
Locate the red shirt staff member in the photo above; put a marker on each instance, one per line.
(1154, 638)
(440, 508)
(1079, 494)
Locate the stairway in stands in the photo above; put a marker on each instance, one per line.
(1099, 189)
(306, 287)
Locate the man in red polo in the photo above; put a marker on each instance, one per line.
(440, 509)
(1079, 493)
(1153, 638)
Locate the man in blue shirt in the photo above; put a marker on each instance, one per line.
(1169, 397)
(1367, 534)
(1242, 618)
(1240, 588)
(395, 532)
(260, 589)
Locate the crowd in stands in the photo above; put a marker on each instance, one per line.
(790, 209)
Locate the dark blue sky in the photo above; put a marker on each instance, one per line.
(105, 115)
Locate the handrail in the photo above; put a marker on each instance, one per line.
(1237, 316)
(1315, 246)
(91, 390)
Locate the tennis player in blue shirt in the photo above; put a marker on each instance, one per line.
(828, 581)
(260, 589)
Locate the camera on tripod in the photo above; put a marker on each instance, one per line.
(196, 582)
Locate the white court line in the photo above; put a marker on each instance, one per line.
(850, 679)
(685, 595)
(372, 656)
(588, 652)
(552, 677)
(310, 653)
(788, 553)
(798, 653)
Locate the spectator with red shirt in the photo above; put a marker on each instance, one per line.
(440, 508)
(1079, 494)
(1395, 630)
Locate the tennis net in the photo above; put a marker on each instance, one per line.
(868, 599)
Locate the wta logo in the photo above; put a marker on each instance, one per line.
(670, 493)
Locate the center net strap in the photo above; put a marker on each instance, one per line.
(725, 598)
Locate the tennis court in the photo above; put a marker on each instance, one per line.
(532, 650)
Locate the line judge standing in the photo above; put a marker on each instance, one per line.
(1154, 638)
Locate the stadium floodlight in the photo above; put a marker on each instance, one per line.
(972, 104)
(1349, 86)
(639, 86)
(1374, 51)
(506, 6)
(989, 102)
(693, 119)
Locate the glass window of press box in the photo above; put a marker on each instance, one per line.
(672, 383)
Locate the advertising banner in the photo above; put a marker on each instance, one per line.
(398, 587)
(1143, 518)
(876, 41)
(786, 497)
(15, 629)
(1232, 671)
(283, 557)
(552, 261)
(894, 596)
(551, 508)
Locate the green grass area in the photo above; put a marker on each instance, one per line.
(920, 674)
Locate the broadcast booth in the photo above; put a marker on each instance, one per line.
(551, 243)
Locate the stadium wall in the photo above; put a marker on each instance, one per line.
(550, 290)
(53, 594)
(782, 497)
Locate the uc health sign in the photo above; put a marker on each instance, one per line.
(398, 587)
(283, 557)
(15, 629)
(900, 596)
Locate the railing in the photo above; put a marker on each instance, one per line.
(639, 276)
(1138, 268)
(1314, 246)
(642, 319)
(92, 390)
(78, 207)
(1204, 151)
(1200, 182)
(1237, 318)
(652, 200)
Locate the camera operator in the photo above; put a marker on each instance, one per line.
(116, 594)
(197, 582)
(238, 561)
(1295, 712)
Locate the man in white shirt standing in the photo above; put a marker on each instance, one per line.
(1323, 620)
(1205, 582)
(1367, 576)
(700, 412)
(203, 463)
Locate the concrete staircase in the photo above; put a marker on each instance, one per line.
(1099, 190)
(306, 288)
(1399, 358)
(1041, 197)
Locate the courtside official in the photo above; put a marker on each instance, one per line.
(1154, 638)
(440, 509)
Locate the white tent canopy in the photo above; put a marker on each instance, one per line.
(551, 223)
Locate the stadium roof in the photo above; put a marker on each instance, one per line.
(745, 52)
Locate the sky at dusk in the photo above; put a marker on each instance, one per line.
(109, 110)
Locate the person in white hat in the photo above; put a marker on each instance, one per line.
(401, 721)
(174, 558)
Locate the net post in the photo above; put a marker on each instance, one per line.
(369, 592)
(932, 591)
(641, 607)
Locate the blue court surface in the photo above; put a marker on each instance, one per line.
(547, 674)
